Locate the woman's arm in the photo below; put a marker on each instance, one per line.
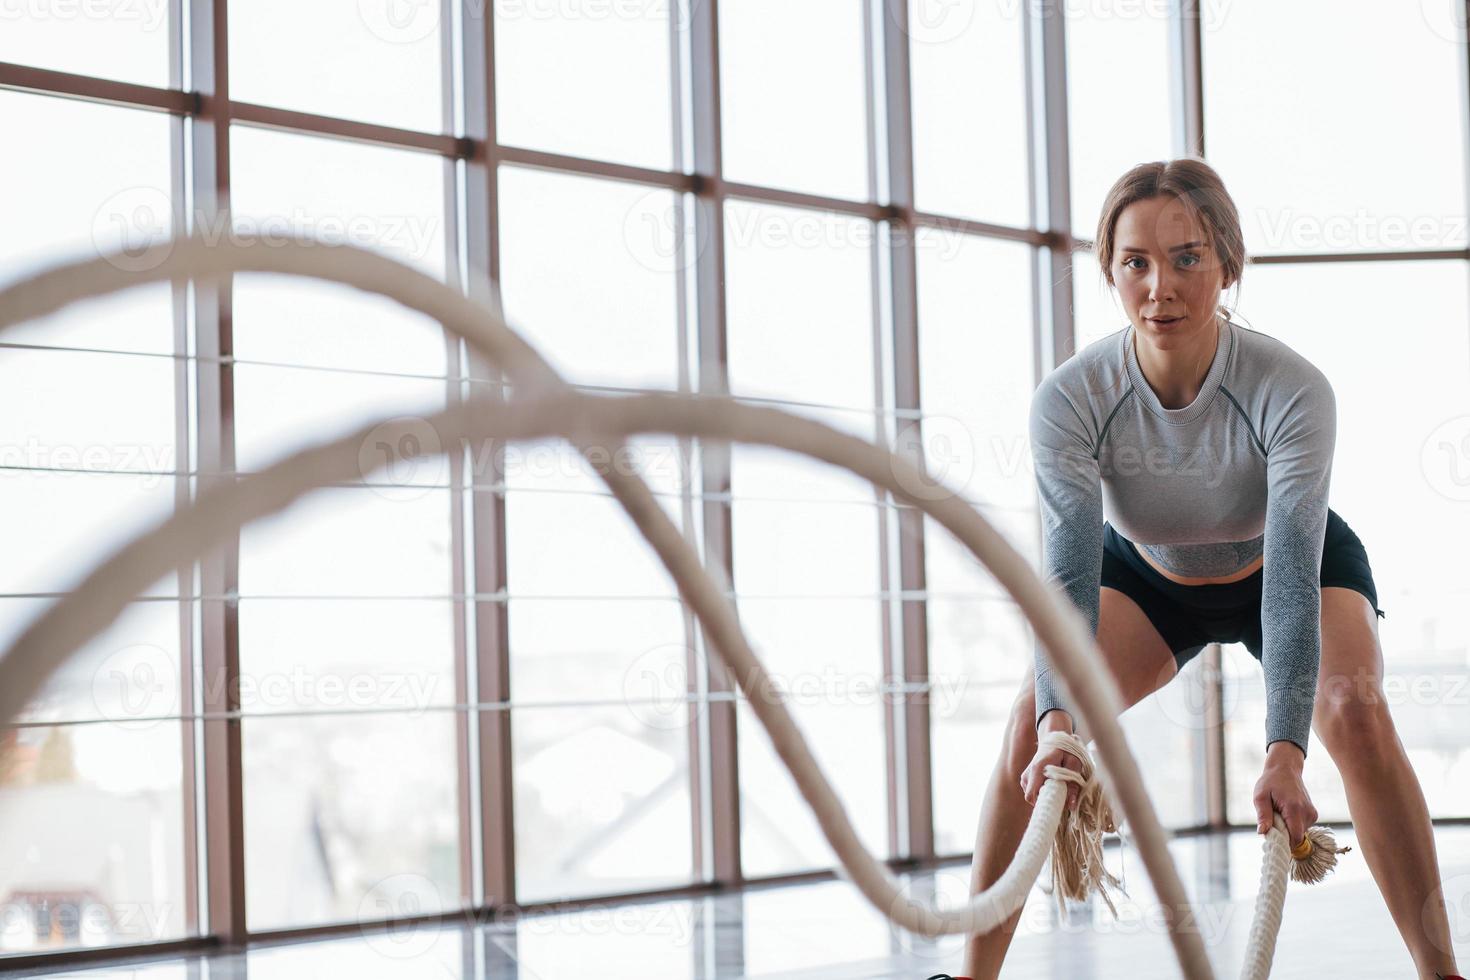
(1068, 482)
(1300, 440)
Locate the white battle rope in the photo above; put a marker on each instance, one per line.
(543, 406)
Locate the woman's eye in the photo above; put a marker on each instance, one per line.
(1132, 258)
(1193, 259)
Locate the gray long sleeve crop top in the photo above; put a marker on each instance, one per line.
(1241, 471)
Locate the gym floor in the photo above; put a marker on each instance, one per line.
(825, 931)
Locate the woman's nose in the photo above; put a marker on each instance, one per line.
(1161, 286)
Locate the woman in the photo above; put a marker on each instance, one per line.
(1211, 445)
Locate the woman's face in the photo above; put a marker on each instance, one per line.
(1168, 278)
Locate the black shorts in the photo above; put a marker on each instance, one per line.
(1189, 617)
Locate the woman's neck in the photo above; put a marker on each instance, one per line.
(1176, 375)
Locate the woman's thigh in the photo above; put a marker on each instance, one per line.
(1133, 652)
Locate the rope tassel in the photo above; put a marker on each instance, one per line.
(1316, 855)
(1077, 868)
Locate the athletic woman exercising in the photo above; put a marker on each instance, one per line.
(1211, 445)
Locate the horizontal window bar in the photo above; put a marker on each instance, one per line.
(586, 166)
(290, 120)
(126, 94)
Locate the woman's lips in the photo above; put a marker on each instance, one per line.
(1165, 322)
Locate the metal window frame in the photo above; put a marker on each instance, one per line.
(472, 157)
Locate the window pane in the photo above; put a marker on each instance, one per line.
(349, 819)
(284, 410)
(792, 91)
(373, 60)
(351, 541)
(128, 674)
(602, 803)
(599, 650)
(49, 415)
(342, 654)
(69, 883)
(798, 287)
(778, 834)
(92, 835)
(59, 526)
(1351, 186)
(574, 545)
(1399, 480)
(126, 40)
(585, 79)
(969, 104)
(979, 649)
(805, 549)
(391, 201)
(1118, 107)
(763, 473)
(788, 556)
(1096, 311)
(61, 203)
(976, 365)
(588, 276)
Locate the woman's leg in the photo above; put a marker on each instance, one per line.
(1141, 662)
(1390, 817)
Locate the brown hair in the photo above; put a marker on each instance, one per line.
(1197, 186)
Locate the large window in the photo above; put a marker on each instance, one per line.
(467, 681)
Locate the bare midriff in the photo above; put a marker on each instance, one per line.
(1245, 572)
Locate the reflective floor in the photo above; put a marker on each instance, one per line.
(826, 931)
